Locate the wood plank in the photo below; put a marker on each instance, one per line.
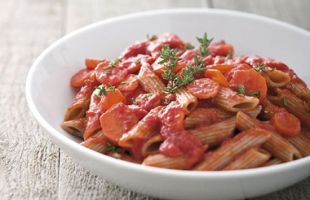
(295, 12)
(74, 181)
(28, 160)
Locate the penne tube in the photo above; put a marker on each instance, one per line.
(97, 142)
(215, 133)
(231, 101)
(122, 156)
(250, 159)
(80, 102)
(302, 143)
(276, 78)
(254, 112)
(273, 161)
(299, 89)
(162, 161)
(187, 101)
(75, 127)
(293, 104)
(206, 116)
(229, 150)
(143, 130)
(279, 147)
(149, 81)
(151, 146)
(244, 121)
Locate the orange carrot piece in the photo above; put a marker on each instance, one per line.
(252, 81)
(217, 76)
(286, 123)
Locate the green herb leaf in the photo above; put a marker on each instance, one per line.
(114, 62)
(229, 55)
(255, 94)
(189, 46)
(109, 72)
(284, 101)
(241, 90)
(103, 90)
(114, 149)
(261, 68)
(204, 44)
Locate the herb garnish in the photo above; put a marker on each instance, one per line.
(255, 94)
(114, 62)
(241, 90)
(169, 59)
(261, 68)
(113, 148)
(151, 37)
(229, 55)
(204, 44)
(101, 89)
(109, 72)
(189, 46)
(284, 101)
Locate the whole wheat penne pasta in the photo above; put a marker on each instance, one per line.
(122, 156)
(231, 101)
(187, 101)
(232, 148)
(142, 130)
(149, 81)
(254, 112)
(244, 121)
(151, 146)
(250, 159)
(302, 143)
(299, 89)
(215, 133)
(293, 104)
(206, 116)
(280, 147)
(162, 161)
(75, 127)
(97, 142)
(273, 161)
(80, 102)
(276, 78)
(276, 145)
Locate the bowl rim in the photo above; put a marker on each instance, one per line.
(83, 151)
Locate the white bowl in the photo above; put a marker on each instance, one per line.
(48, 95)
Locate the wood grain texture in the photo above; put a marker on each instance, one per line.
(28, 160)
(295, 12)
(31, 166)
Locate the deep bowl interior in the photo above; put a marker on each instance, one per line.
(48, 92)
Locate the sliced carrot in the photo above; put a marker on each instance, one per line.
(204, 88)
(159, 68)
(117, 120)
(130, 84)
(111, 98)
(224, 68)
(253, 83)
(79, 78)
(217, 76)
(91, 63)
(286, 123)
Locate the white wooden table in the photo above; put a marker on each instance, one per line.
(31, 166)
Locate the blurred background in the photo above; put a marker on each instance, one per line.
(31, 166)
